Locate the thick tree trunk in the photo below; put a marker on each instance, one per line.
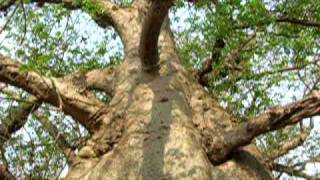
(160, 123)
(157, 127)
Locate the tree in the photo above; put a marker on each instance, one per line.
(191, 104)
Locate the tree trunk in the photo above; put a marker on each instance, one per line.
(161, 123)
(157, 126)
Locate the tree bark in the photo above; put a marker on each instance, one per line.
(160, 123)
(156, 123)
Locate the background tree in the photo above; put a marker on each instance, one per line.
(119, 89)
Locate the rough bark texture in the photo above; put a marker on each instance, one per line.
(157, 124)
(160, 124)
(155, 129)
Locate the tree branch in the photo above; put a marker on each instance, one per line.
(206, 71)
(302, 165)
(6, 6)
(141, 4)
(102, 79)
(283, 19)
(5, 174)
(68, 4)
(290, 145)
(16, 119)
(64, 94)
(148, 48)
(275, 118)
(295, 21)
(8, 20)
(291, 171)
(286, 69)
(62, 142)
(207, 65)
(19, 116)
(227, 62)
(105, 17)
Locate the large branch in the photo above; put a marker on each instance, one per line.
(148, 49)
(102, 79)
(62, 93)
(273, 119)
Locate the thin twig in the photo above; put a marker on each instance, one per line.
(25, 22)
(8, 20)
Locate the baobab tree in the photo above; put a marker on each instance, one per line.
(180, 105)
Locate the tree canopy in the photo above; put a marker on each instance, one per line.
(250, 55)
